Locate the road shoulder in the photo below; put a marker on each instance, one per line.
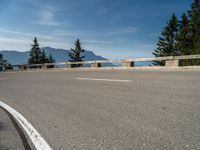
(9, 135)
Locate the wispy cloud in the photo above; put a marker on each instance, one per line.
(46, 13)
(18, 40)
(154, 34)
(47, 17)
(123, 31)
(4, 32)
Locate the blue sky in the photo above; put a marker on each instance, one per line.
(115, 29)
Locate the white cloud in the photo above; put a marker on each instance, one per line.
(24, 44)
(47, 17)
(123, 31)
(4, 32)
(13, 43)
(46, 13)
(17, 40)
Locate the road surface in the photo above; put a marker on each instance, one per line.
(109, 109)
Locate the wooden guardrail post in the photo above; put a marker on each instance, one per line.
(21, 67)
(95, 64)
(172, 63)
(67, 65)
(44, 66)
(128, 64)
(74, 64)
(28, 67)
(3, 68)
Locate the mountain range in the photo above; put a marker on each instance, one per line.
(60, 55)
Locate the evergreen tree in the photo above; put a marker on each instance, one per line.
(194, 14)
(184, 41)
(43, 58)
(1, 58)
(51, 60)
(3, 62)
(35, 53)
(194, 25)
(75, 53)
(166, 45)
(9, 66)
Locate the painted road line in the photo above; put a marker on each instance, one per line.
(36, 138)
(110, 80)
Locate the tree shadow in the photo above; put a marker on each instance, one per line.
(2, 127)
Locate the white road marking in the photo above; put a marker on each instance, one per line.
(36, 138)
(111, 80)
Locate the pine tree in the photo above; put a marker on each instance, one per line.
(35, 53)
(9, 66)
(3, 62)
(43, 58)
(183, 39)
(1, 58)
(166, 45)
(75, 53)
(194, 14)
(194, 25)
(50, 59)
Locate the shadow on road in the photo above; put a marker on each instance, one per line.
(2, 127)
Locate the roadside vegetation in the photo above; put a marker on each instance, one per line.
(76, 54)
(38, 56)
(181, 37)
(4, 63)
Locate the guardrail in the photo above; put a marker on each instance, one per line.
(170, 61)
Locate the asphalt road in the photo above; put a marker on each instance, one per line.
(156, 110)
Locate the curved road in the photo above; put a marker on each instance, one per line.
(74, 110)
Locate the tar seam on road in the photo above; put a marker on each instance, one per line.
(36, 138)
(111, 80)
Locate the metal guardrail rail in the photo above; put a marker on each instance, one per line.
(170, 61)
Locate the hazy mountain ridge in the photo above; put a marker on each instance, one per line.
(16, 57)
(61, 55)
